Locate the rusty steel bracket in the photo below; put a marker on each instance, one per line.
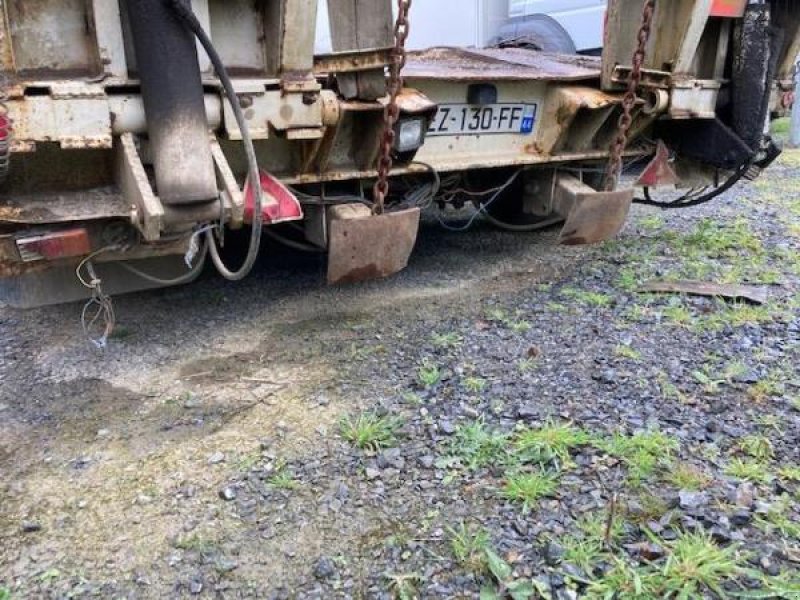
(147, 211)
(591, 216)
(364, 246)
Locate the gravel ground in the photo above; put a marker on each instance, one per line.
(506, 416)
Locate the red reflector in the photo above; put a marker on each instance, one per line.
(57, 244)
(5, 127)
(280, 204)
(728, 8)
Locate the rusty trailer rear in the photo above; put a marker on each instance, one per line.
(130, 158)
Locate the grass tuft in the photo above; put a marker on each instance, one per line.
(447, 341)
(469, 547)
(688, 477)
(758, 447)
(475, 446)
(696, 564)
(369, 431)
(583, 553)
(748, 470)
(283, 479)
(474, 385)
(791, 473)
(550, 443)
(624, 351)
(428, 375)
(529, 488)
(777, 519)
(642, 452)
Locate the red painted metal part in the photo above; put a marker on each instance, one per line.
(280, 204)
(659, 172)
(728, 8)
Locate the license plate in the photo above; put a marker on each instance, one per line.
(468, 119)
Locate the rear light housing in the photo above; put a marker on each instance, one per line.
(54, 245)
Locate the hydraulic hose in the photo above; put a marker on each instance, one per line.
(183, 10)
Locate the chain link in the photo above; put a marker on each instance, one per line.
(5, 131)
(392, 111)
(629, 100)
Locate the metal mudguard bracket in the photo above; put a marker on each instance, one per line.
(364, 246)
(591, 216)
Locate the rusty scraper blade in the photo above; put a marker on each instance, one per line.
(596, 217)
(750, 293)
(363, 246)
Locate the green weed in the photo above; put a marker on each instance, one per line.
(583, 553)
(469, 546)
(748, 470)
(678, 314)
(688, 477)
(475, 446)
(651, 222)
(769, 387)
(791, 473)
(695, 564)
(550, 443)
(196, 543)
(624, 581)
(369, 431)
(596, 526)
(588, 298)
(777, 519)
(282, 479)
(529, 488)
(710, 384)
(642, 452)
(474, 385)
(447, 341)
(428, 375)
(497, 315)
(758, 447)
(720, 241)
(625, 351)
(520, 327)
(404, 587)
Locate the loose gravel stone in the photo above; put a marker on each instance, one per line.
(228, 494)
(324, 568)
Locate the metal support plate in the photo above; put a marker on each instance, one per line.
(365, 247)
(591, 216)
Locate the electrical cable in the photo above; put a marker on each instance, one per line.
(184, 11)
(688, 200)
(481, 208)
(185, 278)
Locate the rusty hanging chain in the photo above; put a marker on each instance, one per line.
(392, 111)
(629, 100)
(5, 130)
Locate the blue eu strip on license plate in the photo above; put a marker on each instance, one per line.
(467, 119)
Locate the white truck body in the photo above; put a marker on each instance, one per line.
(476, 23)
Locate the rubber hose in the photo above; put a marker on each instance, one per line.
(183, 10)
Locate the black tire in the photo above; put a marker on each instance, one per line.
(537, 32)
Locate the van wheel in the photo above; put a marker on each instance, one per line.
(537, 32)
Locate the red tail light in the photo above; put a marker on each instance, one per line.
(728, 8)
(54, 245)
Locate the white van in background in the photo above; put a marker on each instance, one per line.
(581, 20)
(556, 25)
